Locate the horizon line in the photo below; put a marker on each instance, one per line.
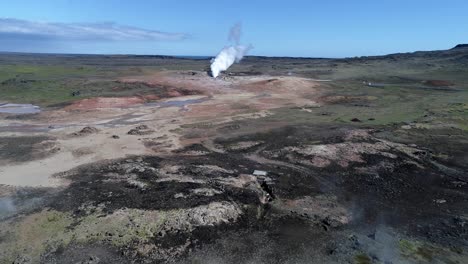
(209, 56)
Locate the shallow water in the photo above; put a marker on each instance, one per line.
(19, 108)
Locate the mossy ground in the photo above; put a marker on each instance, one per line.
(49, 231)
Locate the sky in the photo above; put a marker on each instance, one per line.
(297, 28)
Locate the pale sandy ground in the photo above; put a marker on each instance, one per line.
(225, 100)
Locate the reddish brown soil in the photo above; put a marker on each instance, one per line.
(262, 86)
(118, 102)
(438, 83)
(105, 102)
(151, 97)
(174, 82)
(264, 82)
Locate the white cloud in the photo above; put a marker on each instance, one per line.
(24, 29)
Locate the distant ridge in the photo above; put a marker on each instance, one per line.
(458, 49)
(460, 46)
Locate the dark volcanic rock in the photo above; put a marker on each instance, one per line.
(89, 130)
(86, 131)
(140, 130)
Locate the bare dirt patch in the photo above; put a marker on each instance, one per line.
(105, 102)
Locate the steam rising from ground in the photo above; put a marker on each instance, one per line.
(6, 206)
(230, 54)
(235, 33)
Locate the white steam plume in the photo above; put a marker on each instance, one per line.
(235, 33)
(230, 54)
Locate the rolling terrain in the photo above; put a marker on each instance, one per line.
(143, 159)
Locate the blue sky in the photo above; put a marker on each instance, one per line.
(275, 28)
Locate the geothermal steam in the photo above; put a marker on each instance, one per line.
(230, 54)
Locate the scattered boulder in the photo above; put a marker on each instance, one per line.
(140, 130)
(86, 131)
(356, 120)
(89, 130)
(115, 137)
